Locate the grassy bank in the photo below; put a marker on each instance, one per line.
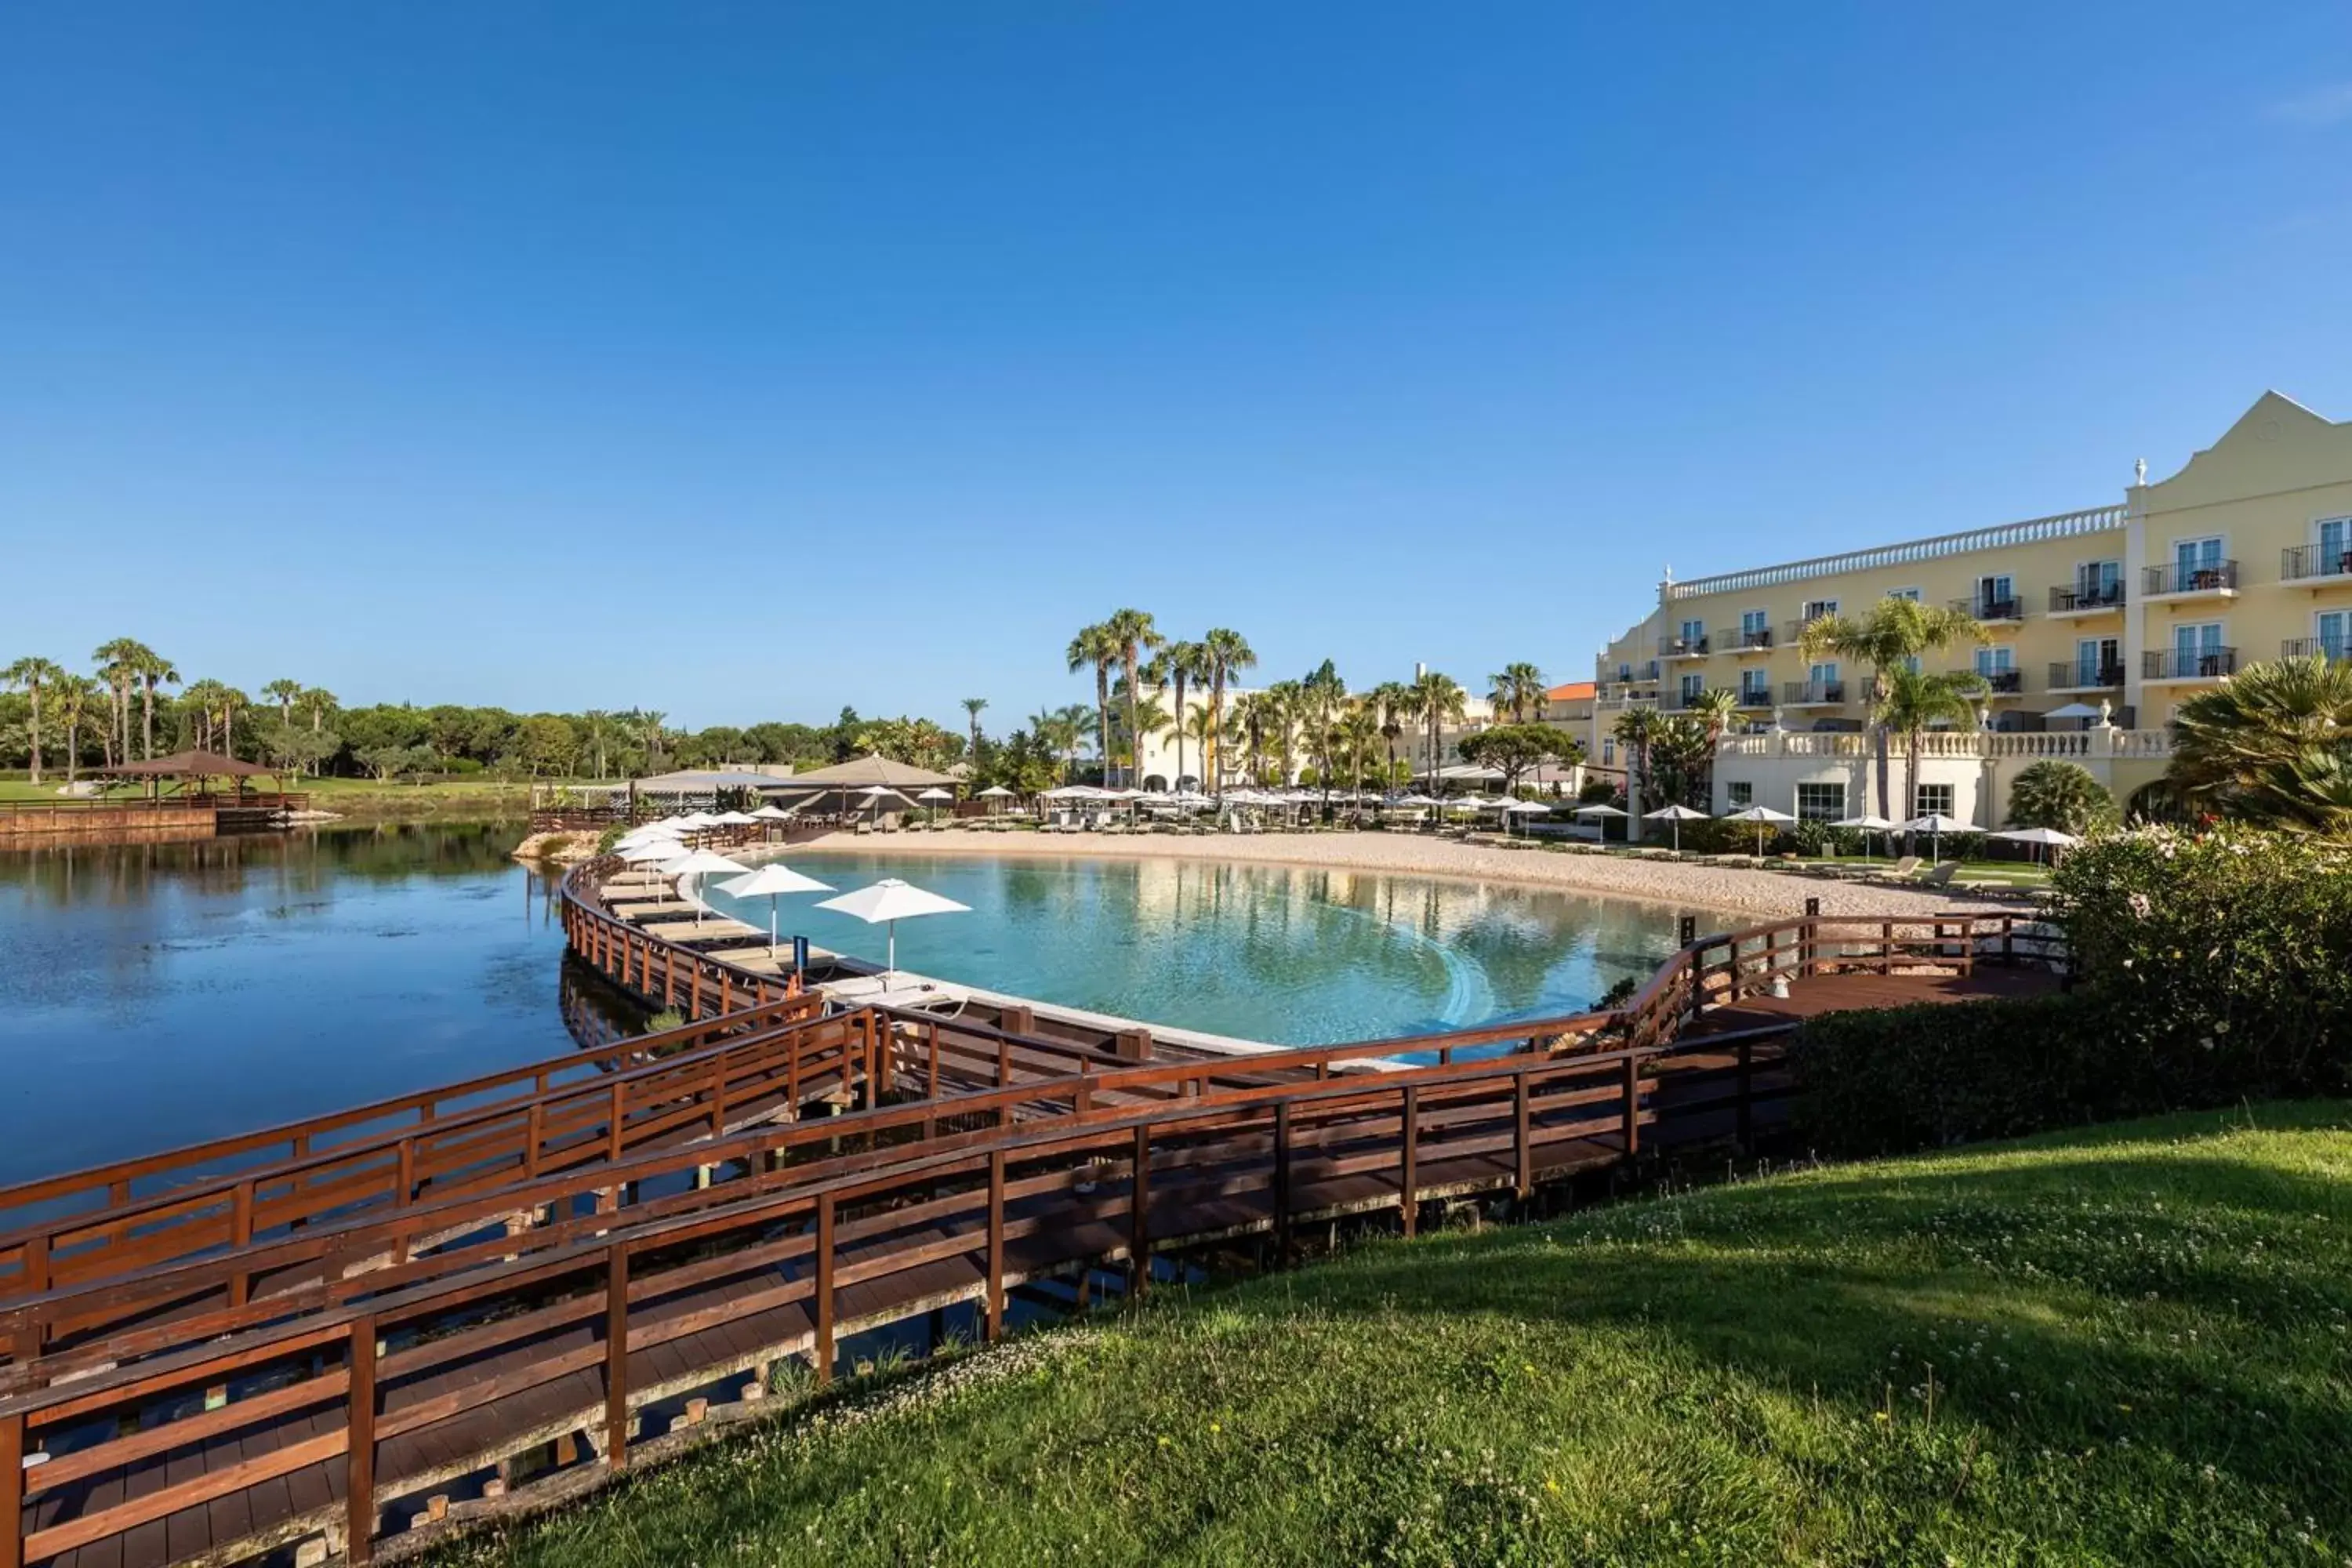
(472, 800)
(2124, 1346)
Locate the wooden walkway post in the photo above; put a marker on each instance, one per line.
(1523, 1152)
(1282, 1183)
(1633, 1094)
(616, 1356)
(1139, 1219)
(12, 1492)
(823, 1350)
(995, 1313)
(1409, 1131)
(359, 1483)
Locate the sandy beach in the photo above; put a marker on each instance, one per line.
(1730, 889)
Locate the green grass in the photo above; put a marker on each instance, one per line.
(2012, 873)
(458, 799)
(2123, 1346)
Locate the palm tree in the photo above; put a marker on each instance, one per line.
(2273, 745)
(320, 701)
(283, 692)
(972, 707)
(1715, 708)
(1201, 725)
(597, 726)
(1915, 703)
(1133, 634)
(1391, 703)
(76, 707)
(1252, 716)
(1518, 688)
(118, 663)
(151, 668)
(1637, 728)
(1184, 663)
(1284, 703)
(1094, 646)
(1887, 638)
(199, 702)
(2064, 795)
(1324, 692)
(649, 730)
(33, 674)
(1440, 701)
(1359, 732)
(1227, 651)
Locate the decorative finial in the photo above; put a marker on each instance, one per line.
(2106, 714)
(2140, 472)
(1778, 723)
(1670, 574)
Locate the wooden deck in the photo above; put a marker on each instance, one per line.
(431, 1297)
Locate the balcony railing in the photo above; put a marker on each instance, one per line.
(2304, 560)
(2207, 577)
(2188, 664)
(1739, 637)
(2315, 647)
(2086, 599)
(1811, 693)
(2081, 675)
(1755, 696)
(1985, 609)
(2000, 682)
(1682, 648)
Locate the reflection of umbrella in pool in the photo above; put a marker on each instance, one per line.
(888, 902)
(1760, 815)
(773, 879)
(1676, 814)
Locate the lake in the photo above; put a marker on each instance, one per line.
(155, 994)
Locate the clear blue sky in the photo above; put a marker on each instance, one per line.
(746, 360)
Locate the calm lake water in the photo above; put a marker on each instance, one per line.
(158, 994)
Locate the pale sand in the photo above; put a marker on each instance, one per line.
(1731, 889)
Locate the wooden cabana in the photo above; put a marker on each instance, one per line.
(192, 770)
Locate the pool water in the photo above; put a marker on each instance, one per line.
(1288, 954)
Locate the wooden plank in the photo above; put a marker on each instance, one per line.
(359, 1485)
(617, 1356)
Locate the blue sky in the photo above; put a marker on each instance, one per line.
(744, 360)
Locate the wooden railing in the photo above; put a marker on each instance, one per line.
(412, 1344)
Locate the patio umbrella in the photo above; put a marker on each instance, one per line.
(734, 819)
(2046, 838)
(773, 813)
(875, 793)
(995, 792)
(1935, 825)
(1760, 815)
(1868, 825)
(651, 850)
(1522, 808)
(2072, 710)
(773, 879)
(888, 902)
(695, 863)
(931, 797)
(1676, 814)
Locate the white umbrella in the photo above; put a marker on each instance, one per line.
(1676, 814)
(651, 849)
(1521, 808)
(993, 792)
(655, 835)
(1760, 815)
(2046, 838)
(1868, 825)
(734, 819)
(932, 796)
(2072, 710)
(1415, 800)
(773, 879)
(773, 813)
(1935, 825)
(695, 819)
(877, 793)
(888, 902)
(695, 863)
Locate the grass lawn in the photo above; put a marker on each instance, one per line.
(458, 799)
(2010, 873)
(2123, 1346)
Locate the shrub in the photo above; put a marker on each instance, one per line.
(1600, 791)
(609, 836)
(2230, 945)
(2064, 795)
(1895, 1079)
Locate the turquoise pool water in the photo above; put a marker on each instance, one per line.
(1289, 954)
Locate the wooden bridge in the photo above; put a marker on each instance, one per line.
(315, 1335)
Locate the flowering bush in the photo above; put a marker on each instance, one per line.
(2225, 952)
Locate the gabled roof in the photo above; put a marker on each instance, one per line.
(861, 772)
(186, 765)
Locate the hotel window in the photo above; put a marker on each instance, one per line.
(1816, 608)
(1824, 676)
(1739, 791)
(2099, 583)
(1752, 622)
(1608, 753)
(1694, 633)
(1624, 672)
(2197, 650)
(1692, 686)
(1992, 661)
(2099, 661)
(2191, 556)
(1820, 802)
(2335, 546)
(1755, 688)
(1996, 597)
(2334, 628)
(1910, 593)
(1932, 799)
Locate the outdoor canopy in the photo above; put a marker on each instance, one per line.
(1935, 825)
(1676, 814)
(888, 902)
(2045, 838)
(772, 881)
(1760, 815)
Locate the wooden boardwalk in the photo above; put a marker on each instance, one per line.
(308, 1352)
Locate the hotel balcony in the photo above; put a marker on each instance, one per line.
(1812, 693)
(2075, 675)
(1682, 648)
(2214, 580)
(2314, 563)
(2173, 664)
(1998, 682)
(2076, 603)
(2315, 647)
(1992, 612)
(1755, 696)
(1736, 640)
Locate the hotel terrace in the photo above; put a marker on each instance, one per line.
(2125, 610)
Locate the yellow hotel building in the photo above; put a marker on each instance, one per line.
(2114, 613)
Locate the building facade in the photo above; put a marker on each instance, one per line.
(2113, 614)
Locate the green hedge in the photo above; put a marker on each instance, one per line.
(1900, 1078)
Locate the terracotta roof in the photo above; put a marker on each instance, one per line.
(1575, 691)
